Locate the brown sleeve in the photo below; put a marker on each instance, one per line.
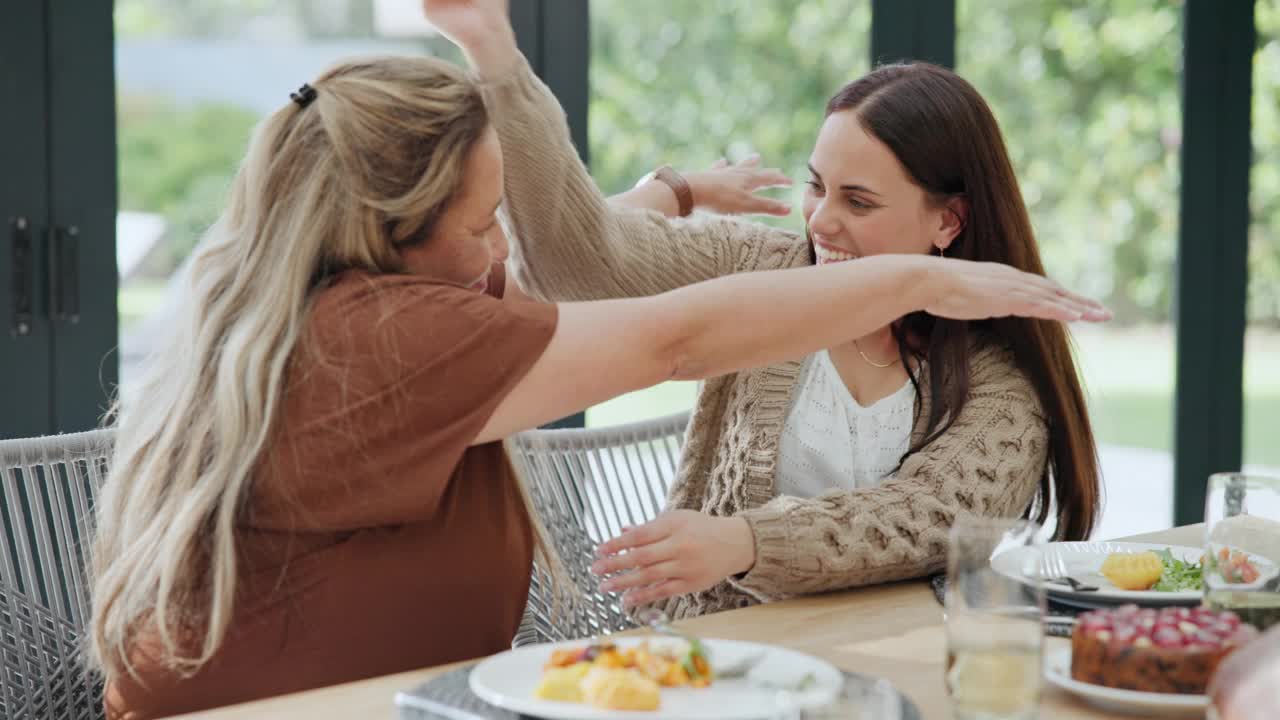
(402, 384)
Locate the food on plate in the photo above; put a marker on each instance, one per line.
(1161, 571)
(1172, 650)
(620, 689)
(563, 684)
(609, 677)
(1133, 571)
(1179, 574)
(1236, 568)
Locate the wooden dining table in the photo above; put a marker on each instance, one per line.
(892, 631)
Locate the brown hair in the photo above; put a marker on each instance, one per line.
(946, 138)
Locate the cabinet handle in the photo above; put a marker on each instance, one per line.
(23, 269)
(64, 273)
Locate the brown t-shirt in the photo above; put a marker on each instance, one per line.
(374, 539)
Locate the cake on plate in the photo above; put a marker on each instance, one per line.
(1171, 650)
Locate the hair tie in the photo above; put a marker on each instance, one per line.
(303, 95)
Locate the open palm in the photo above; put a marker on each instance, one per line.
(466, 22)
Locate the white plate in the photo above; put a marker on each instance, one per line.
(508, 681)
(1084, 560)
(1057, 670)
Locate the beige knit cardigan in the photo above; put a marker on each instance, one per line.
(570, 245)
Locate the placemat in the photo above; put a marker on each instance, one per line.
(449, 697)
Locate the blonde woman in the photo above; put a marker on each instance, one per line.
(311, 486)
(846, 466)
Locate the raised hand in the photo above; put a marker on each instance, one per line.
(482, 28)
(730, 189)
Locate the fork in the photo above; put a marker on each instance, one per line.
(1054, 569)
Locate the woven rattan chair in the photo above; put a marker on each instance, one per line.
(47, 491)
(586, 485)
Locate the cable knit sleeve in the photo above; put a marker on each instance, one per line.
(570, 244)
(989, 463)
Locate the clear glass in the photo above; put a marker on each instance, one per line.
(1086, 94)
(1242, 548)
(686, 83)
(1262, 341)
(993, 622)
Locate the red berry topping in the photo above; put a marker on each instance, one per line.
(1205, 637)
(1094, 623)
(1167, 637)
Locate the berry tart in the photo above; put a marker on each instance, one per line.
(1172, 650)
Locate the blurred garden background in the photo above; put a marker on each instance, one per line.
(1086, 91)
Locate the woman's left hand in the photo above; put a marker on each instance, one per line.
(482, 28)
(732, 189)
(680, 552)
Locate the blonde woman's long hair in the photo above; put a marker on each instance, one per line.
(344, 182)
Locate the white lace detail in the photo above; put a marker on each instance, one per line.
(831, 442)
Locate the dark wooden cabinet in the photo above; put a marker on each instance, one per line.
(58, 205)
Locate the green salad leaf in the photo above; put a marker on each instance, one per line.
(1178, 574)
(695, 649)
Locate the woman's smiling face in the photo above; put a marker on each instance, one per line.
(860, 200)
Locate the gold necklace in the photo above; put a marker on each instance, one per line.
(871, 362)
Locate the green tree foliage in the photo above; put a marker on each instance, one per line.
(690, 82)
(1086, 92)
(177, 158)
(178, 161)
(226, 18)
(1264, 190)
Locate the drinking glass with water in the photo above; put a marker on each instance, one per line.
(1242, 547)
(994, 637)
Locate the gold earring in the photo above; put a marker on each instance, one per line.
(942, 252)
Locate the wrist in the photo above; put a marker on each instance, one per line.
(917, 280)
(494, 53)
(679, 186)
(743, 543)
(697, 188)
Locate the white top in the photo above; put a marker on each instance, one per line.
(831, 442)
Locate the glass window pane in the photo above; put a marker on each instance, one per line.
(686, 83)
(1086, 93)
(1262, 341)
(193, 78)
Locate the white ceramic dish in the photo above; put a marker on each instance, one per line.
(1084, 560)
(508, 681)
(1057, 671)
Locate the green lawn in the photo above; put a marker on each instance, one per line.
(1128, 375)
